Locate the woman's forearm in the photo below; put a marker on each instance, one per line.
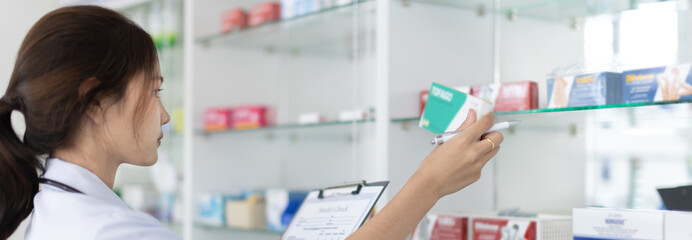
(402, 214)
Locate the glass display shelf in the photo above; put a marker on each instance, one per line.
(657, 115)
(326, 30)
(286, 127)
(550, 10)
(672, 112)
(244, 230)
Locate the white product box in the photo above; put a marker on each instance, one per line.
(542, 227)
(351, 115)
(310, 118)
(615, 224)
(677, 225)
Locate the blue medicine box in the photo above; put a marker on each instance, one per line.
(671, 83)
(592, 89)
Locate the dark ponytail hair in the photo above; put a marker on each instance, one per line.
(71, 60)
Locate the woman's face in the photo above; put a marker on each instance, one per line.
(135, 141)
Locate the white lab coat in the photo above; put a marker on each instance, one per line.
(96, 214)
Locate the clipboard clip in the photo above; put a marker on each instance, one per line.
(358, 184)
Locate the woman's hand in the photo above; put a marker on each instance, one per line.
(458, 162)
(447, 169)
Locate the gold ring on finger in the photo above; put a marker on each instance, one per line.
(491, 143)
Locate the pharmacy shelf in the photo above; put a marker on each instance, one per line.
(671, 114)
(536, 118)
(326, 31)
(243, 230)
(550, 10)
(293, 126)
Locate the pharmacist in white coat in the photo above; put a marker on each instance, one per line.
(87, 82)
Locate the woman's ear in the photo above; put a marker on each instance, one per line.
(95, 111)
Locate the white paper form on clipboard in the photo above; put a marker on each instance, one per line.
(335, 212)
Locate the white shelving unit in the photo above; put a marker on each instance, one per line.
(378, 55)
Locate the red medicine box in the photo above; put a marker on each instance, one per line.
(441, 227)
(233, 20)
(217, 119)
(514, 96)
(423, 100)
(498, 229)
(263, 13)
(247, 117)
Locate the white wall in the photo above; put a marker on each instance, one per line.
(16, 18)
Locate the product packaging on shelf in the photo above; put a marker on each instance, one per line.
(352, 115)
(217, 119)
(424, 96)
(247, 213)
(263, 13)
(677, 225)
(670, 83)
(288, 9)
(541, 227)
(233, 20)
(305, 7)
(210, 209)
(282, 205)
(310, 118)
(498, 228)
(447, 108)
(441, 227)
(585, 90)
(248, 117)
(515, 96)
(615, 224)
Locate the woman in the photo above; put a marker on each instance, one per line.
(87, 82)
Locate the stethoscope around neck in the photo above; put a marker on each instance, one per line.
(59, 185)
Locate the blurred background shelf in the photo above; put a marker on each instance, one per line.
(328, 31)
(240, 230)
(295, 126)
(565, 11)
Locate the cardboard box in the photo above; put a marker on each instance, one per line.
(263, 13)
(501, 229)
(245, 214)
(514, 96)
(423, 96)
(232, 20)
(248, 117)
(217, 119)
(447, 108)
(441, 227)
(677, 225)
(670, 83)
(614, 224)
(585, 90)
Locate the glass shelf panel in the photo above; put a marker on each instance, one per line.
(285, 127)
(323, 31)
(539, 113)
(550, 10)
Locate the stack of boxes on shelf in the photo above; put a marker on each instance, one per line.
(616, 224)
(514, 96)
(271, 210)
(238, 18)
(660, 84)
(239, 117)
(467, 226)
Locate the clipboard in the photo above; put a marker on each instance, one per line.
(334, 212)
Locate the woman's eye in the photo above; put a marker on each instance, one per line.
(157, 92)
